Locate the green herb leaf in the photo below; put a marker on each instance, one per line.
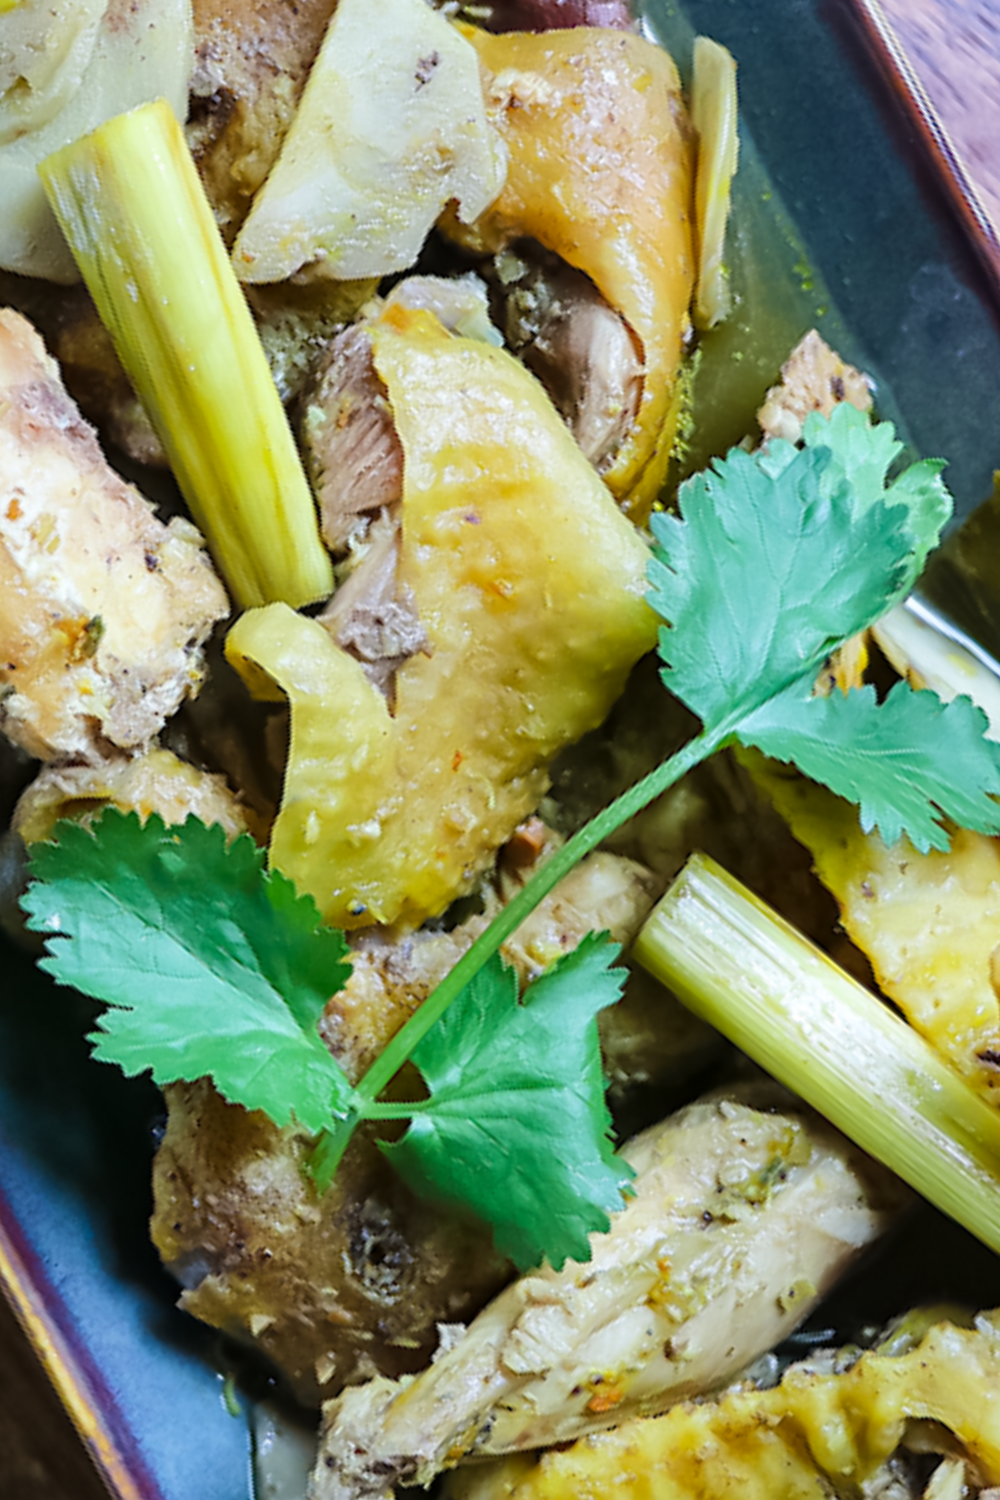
(765, 574)
(211, 966)
(861, 455)
(781, 554)
(516, 1127)
(909, 762)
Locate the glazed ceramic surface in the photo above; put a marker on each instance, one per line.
(842, 221)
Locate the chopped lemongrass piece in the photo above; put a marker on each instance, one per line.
(714, 116)
(910, 638)
(742, 968)
(135, 215)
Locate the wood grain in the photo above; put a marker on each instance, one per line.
(954, 46)
(41, 1457)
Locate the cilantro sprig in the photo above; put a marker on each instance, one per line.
(210, 966)
(508, 1079)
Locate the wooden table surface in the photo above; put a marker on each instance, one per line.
(954, 46)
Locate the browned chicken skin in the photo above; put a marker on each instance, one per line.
(332, 1288)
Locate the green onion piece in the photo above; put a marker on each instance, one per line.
(135, 215)
(742, 968)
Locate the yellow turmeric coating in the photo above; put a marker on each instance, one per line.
(793, 1442)
(600, 173)
(155, 781)
(529, 584)
(929, 923)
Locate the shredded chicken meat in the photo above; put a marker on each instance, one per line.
(353, 454)
(813, 378)
(582, 351)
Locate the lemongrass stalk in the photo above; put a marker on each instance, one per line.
(742, 968)
(133, 210)
(714, 114)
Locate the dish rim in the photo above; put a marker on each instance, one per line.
(954, 176)
(35, 1303)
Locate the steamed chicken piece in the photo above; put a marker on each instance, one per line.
(649, 1040)
(252, 60)
(391, 128)
(348, 436)
(58, 82)
(90, 369)
(251, 63)
(331, 1288)
(552, 317)
(600, 152)
(529, 585)
(355, 1282)
(868, 1425)
(747, 1208)
(104, 609)
(76, 338)
(154, 781)
(929, 923)
(393, 974)
(355, 460)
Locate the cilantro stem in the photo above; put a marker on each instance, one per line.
(401, 1110)
(332, 1144)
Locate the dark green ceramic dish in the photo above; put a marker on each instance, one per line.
(842, 220)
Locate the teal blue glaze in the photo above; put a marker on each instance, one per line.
(76, 1145)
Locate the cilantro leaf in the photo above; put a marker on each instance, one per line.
(516, 1127)
(764, 573)
(909, 761)
(210, 965)
(862, 454)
